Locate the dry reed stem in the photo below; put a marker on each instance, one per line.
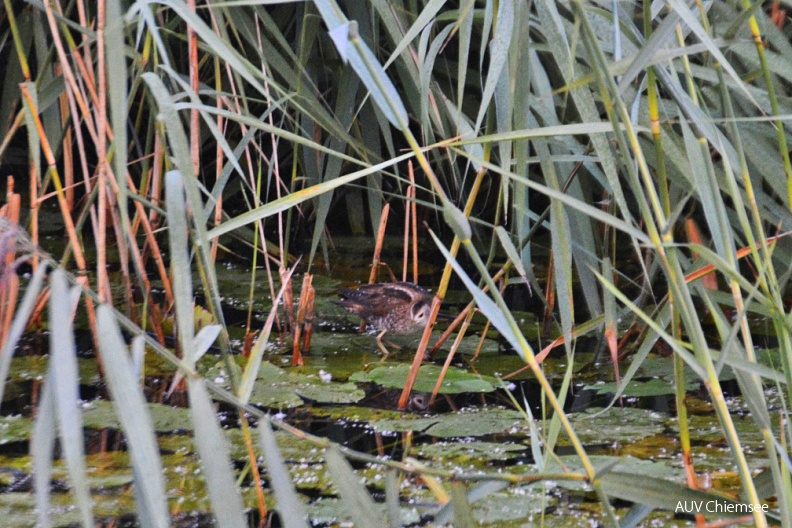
(9, 281)
(234, 105)
(442, 288)
(549, 293)
(34, 211)
(465, 312)
(53, 170)
(66, 152)
(375, 261)
(414, 206)
(195, 116)
(297, 359)
(102, 279)
(76, 96)
(253, 463)
(488, 324)
(218, 219)
(410, 228)
(407, 214)
(288, 298)
(449, 359)
(152, 245)
(483, 337)
(458, 341)
(12, 130)
(279, 183)
(309, 316)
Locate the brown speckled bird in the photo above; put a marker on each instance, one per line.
(400, 308)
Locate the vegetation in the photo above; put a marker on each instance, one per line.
(643, 143)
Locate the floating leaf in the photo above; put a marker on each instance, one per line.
(15, 429)
(465, 451)
(639, 389)
(277, 388)
(456, 381)
(165, 419)
(467, 422)
(617, 425)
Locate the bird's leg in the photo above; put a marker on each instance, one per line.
(382, 347)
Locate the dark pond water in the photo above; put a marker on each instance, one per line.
(344, 393)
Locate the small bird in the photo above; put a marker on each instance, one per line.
(400, 308)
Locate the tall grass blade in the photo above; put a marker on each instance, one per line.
(499, 319)
(42, 443)
(179, 238)
(177, 141)
(291, 508)
(463, 513)
(64, 377)
(345, 107)
(23, 312)
(248, 380)
(356, 500)
(667, 495)
(130, 407)
(475, 493)
(354, 51)
(117, 76)
(212, 447)
(692, 22)
(498, 54)
(290, 200)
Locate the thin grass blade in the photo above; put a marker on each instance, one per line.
(64, 377)
(23, 312)
(354, 496)
(212, 447)
(291, 508)
(42, 443)
(130, 407)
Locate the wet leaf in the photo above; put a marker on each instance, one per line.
(35, 367)
(165, 419)
(616, 425)
(15, 429)
(638, 389)
(456, 380)
(465, 451)
(467, 422)
(277, 388)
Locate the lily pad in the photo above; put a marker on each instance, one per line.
(164, 418)
(352, 413)
(18, 510)
(15, 429)
(465, 423)
(276, 388)
(464, 451)
(510, 506)
(456, 381)
(331, 511)
(470, 344)
(642, 389)
(28, 368)
(616, 425)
